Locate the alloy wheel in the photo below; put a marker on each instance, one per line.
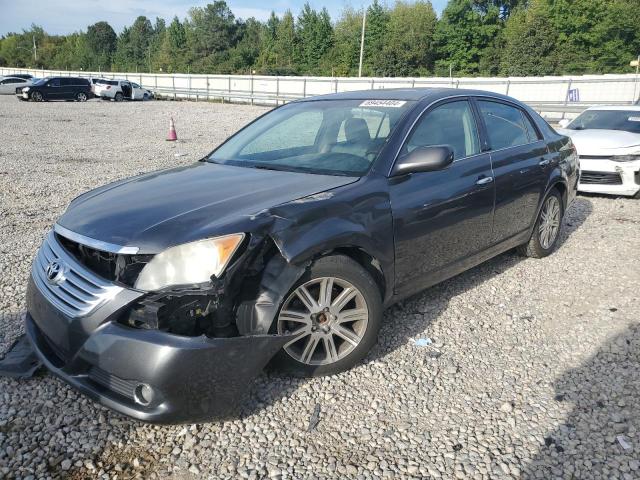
(328, 317)
(82, 97)
(549, 222)
(36, 96)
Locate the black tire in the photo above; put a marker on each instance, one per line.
(145, 97)
(534, 248)
(37, 97)
(346, 269)
(82, 97)
(119, 97)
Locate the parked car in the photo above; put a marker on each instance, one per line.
(25, 76)
(57, 88)
(8, 85)
(608, 143)
(120, 90)
(163, 295)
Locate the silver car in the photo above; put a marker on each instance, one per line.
(8, 84)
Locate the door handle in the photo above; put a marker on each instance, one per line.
(544, 162)
(484, 180)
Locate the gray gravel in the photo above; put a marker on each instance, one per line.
(532, 373)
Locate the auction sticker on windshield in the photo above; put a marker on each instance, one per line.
(383, 103)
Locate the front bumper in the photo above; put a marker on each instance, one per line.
(191, 379)
(609, 177)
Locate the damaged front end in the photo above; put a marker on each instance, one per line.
(179, 354)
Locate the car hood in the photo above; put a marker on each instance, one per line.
(169, 207)
(593, 141)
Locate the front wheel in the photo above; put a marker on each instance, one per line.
(81, 97)
(546, 232)
(334, 313)
(37, 97)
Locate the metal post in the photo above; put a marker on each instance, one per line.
(364, 21)
(304, 88)
(635, 85)
(252, 88)
(508, 85)
(277, 91)
(189, 94)
(566, 97)
(173, 82)
(208, 88)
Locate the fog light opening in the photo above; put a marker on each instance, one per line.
(143, 394)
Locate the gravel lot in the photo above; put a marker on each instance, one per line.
(533, 371)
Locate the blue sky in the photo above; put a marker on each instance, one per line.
(66, 16)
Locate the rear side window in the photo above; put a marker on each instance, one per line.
(66, 82)
(450, 124)
(534, 136)
(505, 125)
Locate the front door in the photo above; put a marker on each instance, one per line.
(441, 218)
(520, 162)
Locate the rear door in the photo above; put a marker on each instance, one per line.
(441, 218)
(52, 90)
(520, 165)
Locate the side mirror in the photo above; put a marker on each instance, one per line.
(564, 123)
(424, 159)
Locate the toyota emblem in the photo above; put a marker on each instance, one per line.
(55, 272)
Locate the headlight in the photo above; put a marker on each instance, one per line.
(625, 158)
(189, 263)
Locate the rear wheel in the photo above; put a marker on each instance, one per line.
(334, 313)
(119, 97)
(546, 232)
(37, 97)
(81, 97)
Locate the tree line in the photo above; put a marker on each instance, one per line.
(470, 38)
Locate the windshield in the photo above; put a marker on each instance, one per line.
(42, 81)
(627, 120)
(333, 137)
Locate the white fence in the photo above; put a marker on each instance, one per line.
(547, 94)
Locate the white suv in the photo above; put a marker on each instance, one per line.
(119, 90)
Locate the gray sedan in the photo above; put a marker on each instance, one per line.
(9, 84)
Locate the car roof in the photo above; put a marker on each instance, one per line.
(634, 108)
(405, 94)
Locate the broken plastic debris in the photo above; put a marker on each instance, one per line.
(180, 154)
(423, 342)
(623, 443)
(20, 361)
(315, 418)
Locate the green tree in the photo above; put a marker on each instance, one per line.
(346, 51)
(211, 32)
(531, 43)
(408, 49)
(101, 43)
(464, 36)
(315, 36)
(375, 38)
(170, 58)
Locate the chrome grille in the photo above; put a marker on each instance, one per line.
(78, 291)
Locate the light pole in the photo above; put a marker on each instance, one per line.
(364, 22)
(635, 63)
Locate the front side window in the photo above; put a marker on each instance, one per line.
(625, 120)
(505, 125)
(333, 137)
(54, 82)
(450, 124)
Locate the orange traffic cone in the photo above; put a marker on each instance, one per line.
(172, 131)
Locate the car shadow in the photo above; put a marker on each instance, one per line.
(416, 312)
(599, 438)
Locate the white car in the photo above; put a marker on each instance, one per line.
(119, 90)
(608, 144)
(9, 84)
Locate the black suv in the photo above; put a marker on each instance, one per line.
(57, 88)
